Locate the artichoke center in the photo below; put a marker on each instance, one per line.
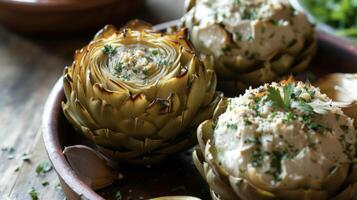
(136, 63)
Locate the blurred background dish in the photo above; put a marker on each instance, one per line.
(43, 16)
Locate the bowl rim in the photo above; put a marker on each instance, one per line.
(53, 108)
(50, 6)
(52, 144)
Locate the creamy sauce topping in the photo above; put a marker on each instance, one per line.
(284, 136)
(259, 28)
(135, 63)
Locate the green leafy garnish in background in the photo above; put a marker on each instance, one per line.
(339, 14)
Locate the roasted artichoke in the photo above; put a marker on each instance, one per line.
(137, 94)
(279, 141)
(252, 41)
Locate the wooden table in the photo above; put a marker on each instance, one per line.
(29, 66)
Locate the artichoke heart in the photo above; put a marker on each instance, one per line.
(282, 140)
(138, 94)
(252, 41)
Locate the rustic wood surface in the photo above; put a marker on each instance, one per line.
(29, 66)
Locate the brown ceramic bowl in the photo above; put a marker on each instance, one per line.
(43, 16)
(177, 175)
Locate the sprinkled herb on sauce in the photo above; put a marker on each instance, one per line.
(282, 124)
(109, 50)
(136, 62)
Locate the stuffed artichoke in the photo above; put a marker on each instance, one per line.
(279, 141)
(252, 41)
(137, 94)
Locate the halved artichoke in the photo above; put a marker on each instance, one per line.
(342, 89)
(252, 41)
(138, 94)
(279, 141)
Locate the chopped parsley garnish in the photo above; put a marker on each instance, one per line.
(33, 193)
(119, 67)
(311, 93)
(275, 164)
(306, 107)
(226, 49)
(250, 38)
(215, 124)
(232, 126)
(256, 158)
(288, 117)
(255, 107)
(155, 52)
(247, 122)
(254, 140)
(109, 50)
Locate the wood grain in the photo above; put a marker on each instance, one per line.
(29, 66)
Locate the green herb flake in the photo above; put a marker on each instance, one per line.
(311, 93)
(288, 117)
(25, 157)
(118, 195)
(238, 36)
(155, 52)
(226, 49)
(44, 167)
(119, 67)
(58, 186)
(232, 126)
(33, 193)
(247, 122)
(305, 107)
(275, 164)
(45, 183)
(215, 124)
(109, 50)
(250, 38)
(316, 127)
(256, 158)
